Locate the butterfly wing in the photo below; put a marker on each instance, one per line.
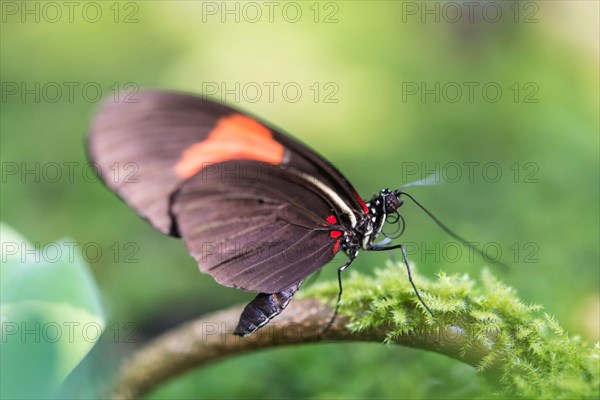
(149, 135)
(257, 209)
(263, 233)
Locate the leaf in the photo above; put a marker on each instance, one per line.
(50, 312)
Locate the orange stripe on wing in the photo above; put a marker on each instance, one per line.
(235, 137)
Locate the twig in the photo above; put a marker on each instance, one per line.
(483, 324)
(210, 339)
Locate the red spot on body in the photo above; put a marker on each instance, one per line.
(331, 219)
(335, 234)
(336, 246)
(234, 137)
(362, 203)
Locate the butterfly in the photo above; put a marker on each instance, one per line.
(257, 209)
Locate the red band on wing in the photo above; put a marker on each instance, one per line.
(335, 234)
(235, 137)
(336, 246)
(331, 219)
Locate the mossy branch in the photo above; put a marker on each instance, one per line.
(527, 354)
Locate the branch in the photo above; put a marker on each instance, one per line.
(209, 339)
(488, 329)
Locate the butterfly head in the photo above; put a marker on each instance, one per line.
(383, 208)
(385, 202)
(391, 201)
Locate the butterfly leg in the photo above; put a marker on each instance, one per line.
(410, 279)
(262, 309)
(337, 305)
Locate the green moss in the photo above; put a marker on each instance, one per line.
(523, 349)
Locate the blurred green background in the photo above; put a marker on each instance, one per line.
(378, 82)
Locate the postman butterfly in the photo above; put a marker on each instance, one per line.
(257, 209)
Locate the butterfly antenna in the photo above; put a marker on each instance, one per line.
(450, 232)
(430, 180)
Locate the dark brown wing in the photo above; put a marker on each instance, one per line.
(146, 138)
(165, 138)
(259, 229)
